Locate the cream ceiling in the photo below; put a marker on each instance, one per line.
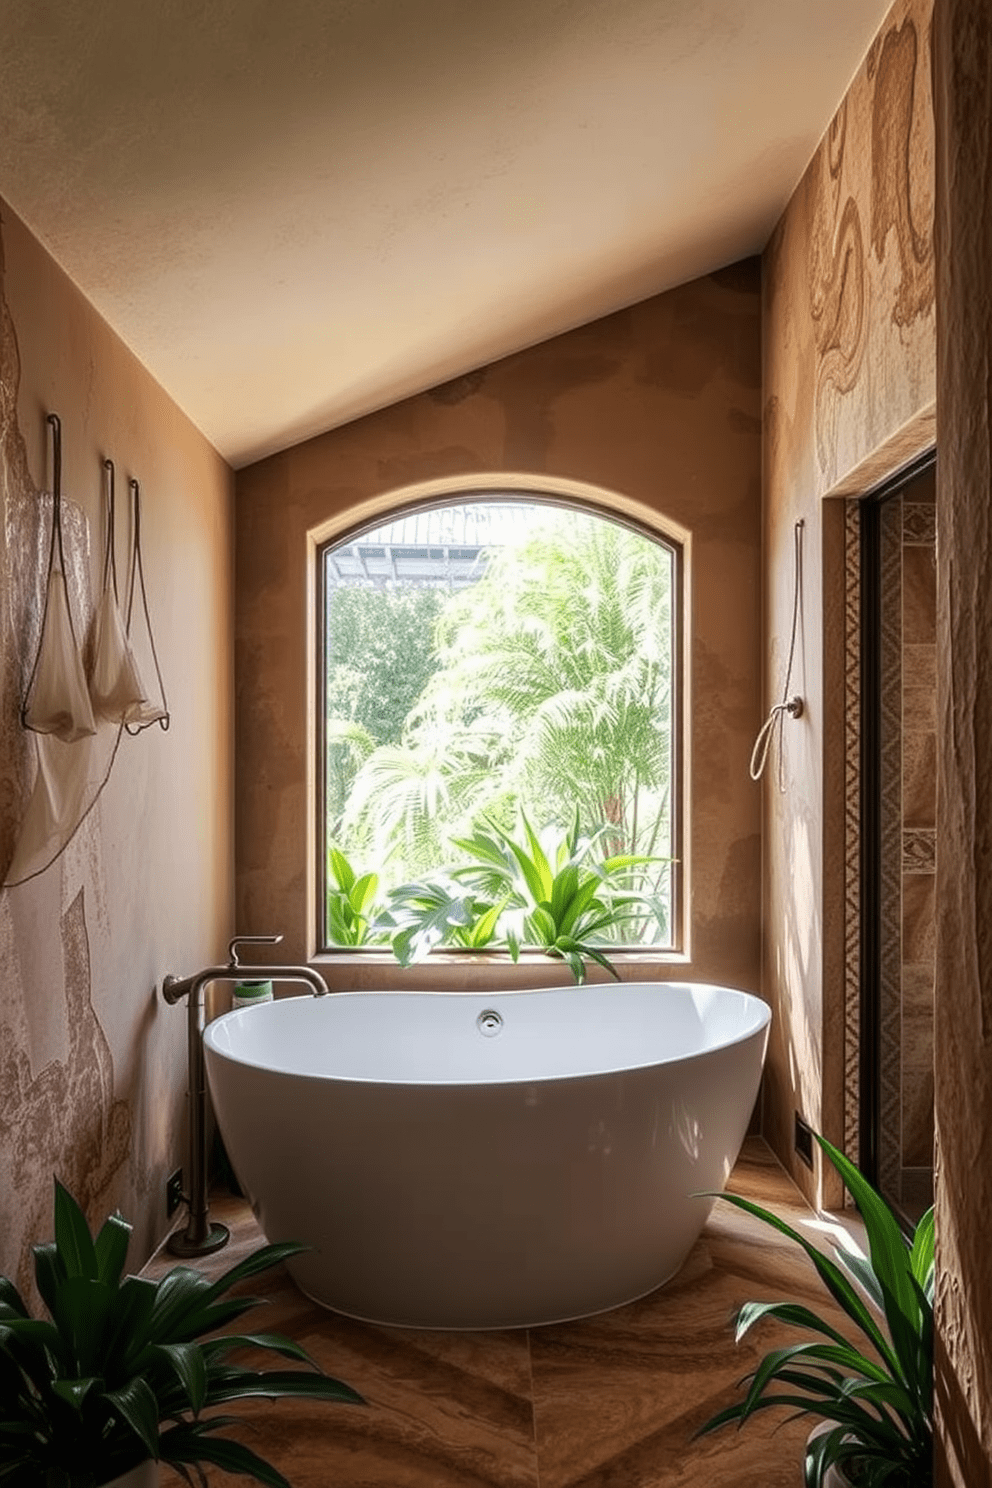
(297, 211)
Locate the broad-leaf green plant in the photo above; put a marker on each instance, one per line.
(877, 1403)
(556, 894)
(438, 911)
(116, 1375)
(351, 902)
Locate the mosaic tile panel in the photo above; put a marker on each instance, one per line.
(919, 769)
(919, 850)
(852, 826)
(919, 523)
(918, 1072)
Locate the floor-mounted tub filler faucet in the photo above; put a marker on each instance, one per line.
(200, 1236)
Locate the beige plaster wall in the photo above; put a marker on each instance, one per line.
(849, 389)
(660, 404)
(92, 1062)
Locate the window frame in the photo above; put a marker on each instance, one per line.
(607, 506)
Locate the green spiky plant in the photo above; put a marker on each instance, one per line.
(545, 891)
(116, 1374)
(877, 1406)
(554, 893)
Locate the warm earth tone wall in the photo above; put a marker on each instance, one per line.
(92, 1062)
(659, 403)
(849, 354)
(963, 996)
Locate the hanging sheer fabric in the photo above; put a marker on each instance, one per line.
(148, 710)
(73, 755)
(62, 795)
(57, 699)
(78, 727)
(115, 685)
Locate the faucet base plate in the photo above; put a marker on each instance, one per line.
(179, 1243)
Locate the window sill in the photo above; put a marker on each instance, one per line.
(479, 971)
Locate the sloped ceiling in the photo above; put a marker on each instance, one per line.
(297, 211)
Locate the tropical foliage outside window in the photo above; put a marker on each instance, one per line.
(510, 695)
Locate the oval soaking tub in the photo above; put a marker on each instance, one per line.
(457, 1160)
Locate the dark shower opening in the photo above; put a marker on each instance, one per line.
(898, 836)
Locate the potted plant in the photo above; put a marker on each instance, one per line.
(116, 1378)
(876, 1408)
(547, 891)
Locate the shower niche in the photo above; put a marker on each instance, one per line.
(897, 858)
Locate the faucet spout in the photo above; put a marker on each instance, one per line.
(174, 989)
(306, 974)
(200, 1237)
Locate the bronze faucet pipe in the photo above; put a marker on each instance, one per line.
(200, 1237)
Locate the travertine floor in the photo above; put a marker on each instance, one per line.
(609, 1402)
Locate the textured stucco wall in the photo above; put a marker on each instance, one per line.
(963, 992)
(849, 388)
(660, 404)
(92, 1063)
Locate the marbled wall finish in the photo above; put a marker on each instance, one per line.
(963, 985)
(659, 403)
(890, 847)
(919, 847)
(92, 1063)
(849, 342)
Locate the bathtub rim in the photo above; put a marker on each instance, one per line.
(759, 1029)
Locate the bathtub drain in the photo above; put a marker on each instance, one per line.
(489, 1022)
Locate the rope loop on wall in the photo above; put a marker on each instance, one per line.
(793, 706)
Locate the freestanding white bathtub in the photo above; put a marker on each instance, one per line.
(457, 1160)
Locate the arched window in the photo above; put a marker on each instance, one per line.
(499, 697)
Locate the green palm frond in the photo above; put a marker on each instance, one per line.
(84, 1396)
(878, 1403)
(556, 893)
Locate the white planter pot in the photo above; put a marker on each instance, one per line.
(145, 1475)
(834, 1477)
